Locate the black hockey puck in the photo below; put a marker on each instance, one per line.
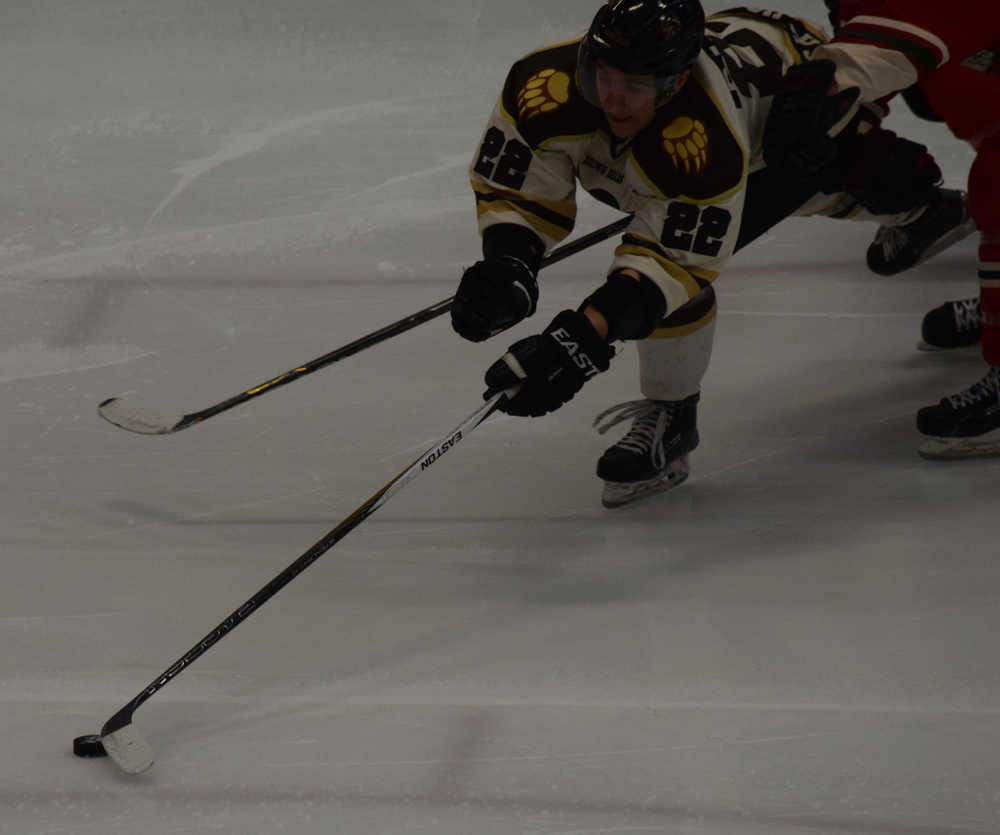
(89, 746)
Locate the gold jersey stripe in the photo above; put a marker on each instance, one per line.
(556, 212)
(547, 230)
(683, 276)
(677, 331)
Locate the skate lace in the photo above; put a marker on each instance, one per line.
(967, 314)
(986, 389)
(892, 240)
(650, 419)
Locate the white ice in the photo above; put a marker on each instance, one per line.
(199, 196)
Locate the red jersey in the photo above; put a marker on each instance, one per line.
(951, 49)
(928, 34)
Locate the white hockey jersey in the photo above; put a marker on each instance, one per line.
(683, 177)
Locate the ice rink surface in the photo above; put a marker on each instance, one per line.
(197, 197)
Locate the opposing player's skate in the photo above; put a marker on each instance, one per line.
(652, 456)
(964, 425)
(954, 324)
(944, 222)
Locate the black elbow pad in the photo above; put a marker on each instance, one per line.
(632, 307)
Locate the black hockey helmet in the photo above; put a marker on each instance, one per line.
(660, 38)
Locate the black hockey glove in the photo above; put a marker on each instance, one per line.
(494, 294)
(796, 141)
(549, 368)
(916, 99)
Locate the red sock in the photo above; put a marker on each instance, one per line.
(989, 296)
(985, 208)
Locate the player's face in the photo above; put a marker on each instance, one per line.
(628, 101)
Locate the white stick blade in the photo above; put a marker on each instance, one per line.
(127, 416)
(129, 750)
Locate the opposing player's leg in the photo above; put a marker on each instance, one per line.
(898, 180)
(903, 239)
(653, 455)
(967, 424)
(884, 178)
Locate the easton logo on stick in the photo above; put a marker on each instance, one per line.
(441, 450)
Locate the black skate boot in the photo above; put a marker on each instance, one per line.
(965, 425)
(944, 222)
(653, 454)
(953, 324)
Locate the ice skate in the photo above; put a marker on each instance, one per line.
(944, 222)
(652, 456)
(954, 324)
(964, 425)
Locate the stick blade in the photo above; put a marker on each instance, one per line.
(128, 749)
(136, 419)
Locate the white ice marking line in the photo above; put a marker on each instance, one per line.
(604, 830)
(242, 145)
(567, 757)
(88, 261)
(127, 529)
(100, 826)
(793, 444)
(50, 618)
(456, 161)
(58, 360)
(739, 464)
(330, 224)
(626, 704)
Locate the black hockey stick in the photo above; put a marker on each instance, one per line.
(123, 743)
(135, 418)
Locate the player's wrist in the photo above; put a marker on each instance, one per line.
(515, 241)
(597, 320)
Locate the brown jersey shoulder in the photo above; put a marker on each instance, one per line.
(689, 149)
(541, 96)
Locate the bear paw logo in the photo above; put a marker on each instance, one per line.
(686, 141)
(544, 92)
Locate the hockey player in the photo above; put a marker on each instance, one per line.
(953, 53)
(953, 324)
(651, 123)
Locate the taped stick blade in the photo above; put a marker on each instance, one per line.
(128, 749)
(134, 418)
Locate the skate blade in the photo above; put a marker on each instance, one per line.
(941, 349)
(986, 445)
(618, 493)
(949, 238)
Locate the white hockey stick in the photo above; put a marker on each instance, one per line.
(119, 738)
(135, 417)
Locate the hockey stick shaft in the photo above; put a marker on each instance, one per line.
(118, 747)
(118, 412)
